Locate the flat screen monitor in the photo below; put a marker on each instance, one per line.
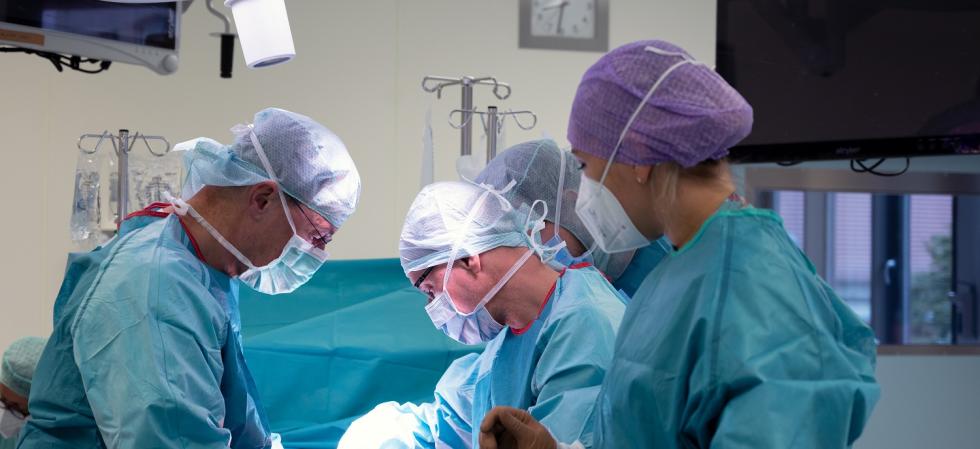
(854, 79)
(144, 33)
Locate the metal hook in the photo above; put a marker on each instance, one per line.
(149, 148)
(464, 122)
(97, 144)
(443, 82)
(224, 19)
(516, 114)
(497, 86)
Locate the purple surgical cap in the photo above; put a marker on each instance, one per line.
(692, 116)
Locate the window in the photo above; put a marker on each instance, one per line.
(906, 263)
(850, 268)
(790, 206)
(930, 264)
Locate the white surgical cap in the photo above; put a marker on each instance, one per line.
(310, 163)
(447, 215)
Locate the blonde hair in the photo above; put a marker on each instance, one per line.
(667, 176)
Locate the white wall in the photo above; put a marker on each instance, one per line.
(927, 402)
(358, 71)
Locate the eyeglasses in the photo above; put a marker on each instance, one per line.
(17, 412)
(320, 241)
(424, 275)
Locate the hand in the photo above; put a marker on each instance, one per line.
(511, 428)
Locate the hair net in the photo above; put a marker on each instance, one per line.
(534, 167)
(19, 362)
(692, 116)
(471, 218)
(310, 163)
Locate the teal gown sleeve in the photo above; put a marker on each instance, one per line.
(569, 373)
(785, 376)
(438, 424)
(153, 373)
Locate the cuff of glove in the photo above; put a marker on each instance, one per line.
(276, 441)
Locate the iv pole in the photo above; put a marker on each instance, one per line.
(122, 144)
(466, 84)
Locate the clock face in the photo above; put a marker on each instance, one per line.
(574, 19)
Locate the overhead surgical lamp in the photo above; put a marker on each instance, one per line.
(263, 28)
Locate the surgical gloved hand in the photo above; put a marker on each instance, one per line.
(511, 428)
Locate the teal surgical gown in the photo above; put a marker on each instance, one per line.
(7, 443)
(145, 351)
(735, 342)
(554, 369)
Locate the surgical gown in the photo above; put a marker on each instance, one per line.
(735, 342)
(554, 369)
(641, 265)
(145, 351)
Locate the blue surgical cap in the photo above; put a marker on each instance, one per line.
(536, 168)
(19, 362)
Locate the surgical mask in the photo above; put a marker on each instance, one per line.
(10, 423)
(597, 207)
(564, 258)
(297, 263)
(477, 326)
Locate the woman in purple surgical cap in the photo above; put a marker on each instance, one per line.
(733, 340)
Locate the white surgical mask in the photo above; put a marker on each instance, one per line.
(297, 263)
(597, 207)
(478, 326)
(10, 423)
(605, 218)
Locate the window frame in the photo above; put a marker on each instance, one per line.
(889, 302)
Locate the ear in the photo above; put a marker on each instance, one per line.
(642, 173)
(262, 198)
(471, 264)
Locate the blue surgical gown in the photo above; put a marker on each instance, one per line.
(554, 369)
(641, 265)
(145, 352)
(7, 443)
(735, 342)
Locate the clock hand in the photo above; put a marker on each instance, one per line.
(558, 4)
(561, 15)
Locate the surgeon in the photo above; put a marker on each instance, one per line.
(16, 372)
(549, 333)
(733, 340)
(146, 350)
(544, 172)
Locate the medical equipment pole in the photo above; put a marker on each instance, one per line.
(491, 133)
(122, 180)
(466, 135)
(500, 90)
